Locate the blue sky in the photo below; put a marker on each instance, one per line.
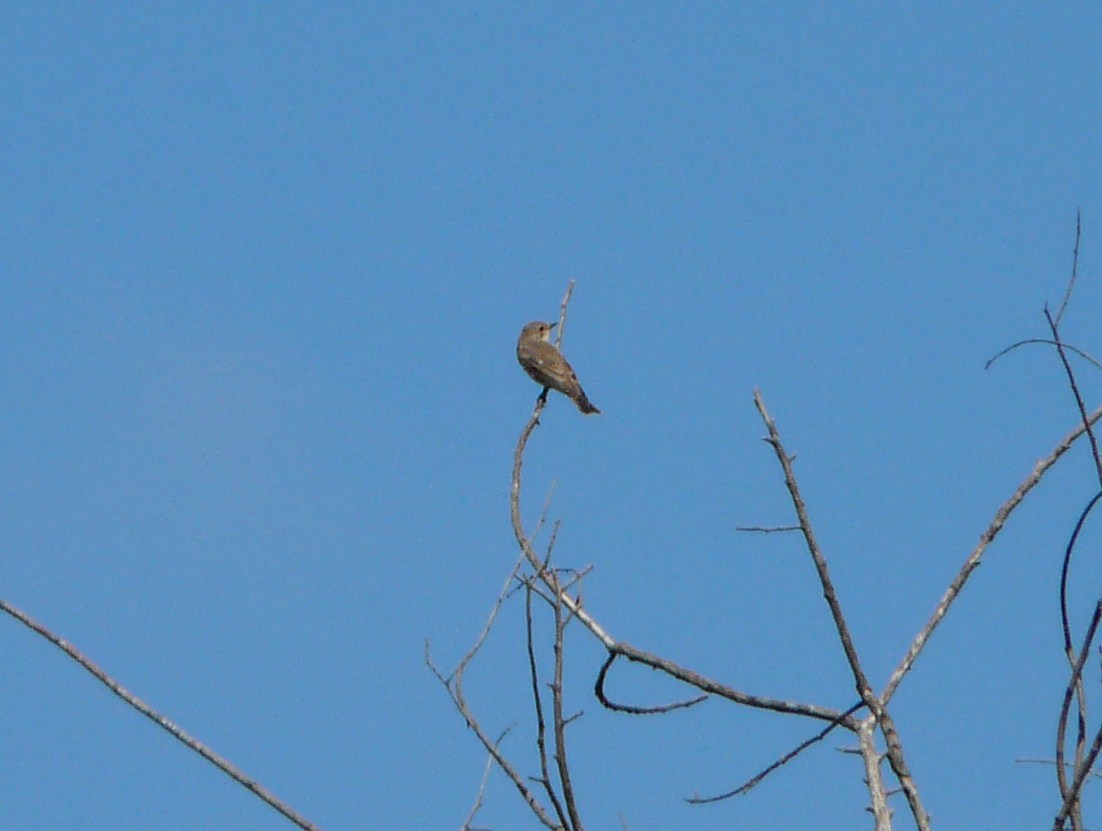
(264, 267)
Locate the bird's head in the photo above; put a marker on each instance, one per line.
(538, 330)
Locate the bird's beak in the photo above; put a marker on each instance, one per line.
(553, 325)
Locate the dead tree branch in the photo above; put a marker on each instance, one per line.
(160, 720)
(973, 560)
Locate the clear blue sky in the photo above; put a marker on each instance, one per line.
(263, 270)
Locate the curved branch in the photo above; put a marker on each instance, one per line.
(1045, 341)
(599, 691)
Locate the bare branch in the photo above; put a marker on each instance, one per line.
(454, 689)
(160, 720)
(481, 793)
(1045, 341)
(461, 667)
(876, 706)
(767, 529)
(973, 560)
(864, 688)
(562, 313)
(599, 691)
(1074, 265)
(898, 762)
(707, 685)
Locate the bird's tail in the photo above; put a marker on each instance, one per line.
(584, 404)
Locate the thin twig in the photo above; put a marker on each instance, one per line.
(1074, 264)
(455, 692)
(707, 685)
(754, 781)
(543, 514)
(461, 667)
(481, 793)
(1046, 342)
(562, 313)
(160, 720)
(453, 684)
(1026, 761)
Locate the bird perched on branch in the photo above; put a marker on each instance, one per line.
(546, 365)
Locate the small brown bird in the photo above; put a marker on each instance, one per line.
(546, 365)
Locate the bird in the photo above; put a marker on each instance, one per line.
(546, 365)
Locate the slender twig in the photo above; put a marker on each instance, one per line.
(1025, 761)
(455, 692)
(543, 516)
(160, 720)
(551, 544)
(561, 328)
(481, 793)
(1074, 265)
(754, 781)
(767, 529)
(453, 684)
(1046, 342)
(461, 667)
